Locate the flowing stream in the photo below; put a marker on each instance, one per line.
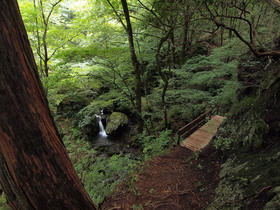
(108, 144)
(102, 138)
(102, 131)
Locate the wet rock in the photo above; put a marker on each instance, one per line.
(117, 121)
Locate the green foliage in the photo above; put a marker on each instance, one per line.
(221, 142)
(216, 74)
(182, 103)
(100, 174)
(243, 105)
(105, 174)
(227, 94)
(50, 27)
(68, 81)
(137, 207)
(151, 191)
(3, 201)
(154, 146)
(79, 150)
(105, 101)
(86, 117)
(203, 80)
(72, 103)
(241, 132)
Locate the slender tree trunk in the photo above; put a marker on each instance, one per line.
(185, 42)
(136, 66)
(46, 57)
(35, 170)
(163, 76)
(37, 35)
(172, 40)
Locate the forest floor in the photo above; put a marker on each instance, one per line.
(180, 179)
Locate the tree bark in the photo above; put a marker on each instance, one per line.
(36, 172)
(164, 77)
(46, 20)
(185, 41)
(136, 66)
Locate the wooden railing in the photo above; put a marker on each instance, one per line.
(193, 125)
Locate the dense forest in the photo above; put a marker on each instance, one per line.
(121, 78)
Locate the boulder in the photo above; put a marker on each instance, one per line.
(71, 105)
(117, 121)
(89, 126)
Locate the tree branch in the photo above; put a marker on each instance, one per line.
(62, 45)
(251, 43)
(275, 4)
(117, 14)
(153, 13)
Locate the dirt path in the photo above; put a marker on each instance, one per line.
(178, 180)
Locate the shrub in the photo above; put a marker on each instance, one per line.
(154, 146)
(101, 177)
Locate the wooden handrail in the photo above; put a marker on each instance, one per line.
(193, 124)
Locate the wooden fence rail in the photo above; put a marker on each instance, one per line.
(190, 127)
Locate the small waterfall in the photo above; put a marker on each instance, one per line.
(101, 127)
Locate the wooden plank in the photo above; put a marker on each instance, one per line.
(203, 135)
(191, 129)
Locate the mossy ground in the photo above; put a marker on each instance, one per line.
(249, 180)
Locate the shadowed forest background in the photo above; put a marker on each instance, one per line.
(121, 80)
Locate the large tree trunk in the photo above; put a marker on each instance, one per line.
(35, 170)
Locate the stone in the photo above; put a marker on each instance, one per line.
(71, 105)
(117, 121)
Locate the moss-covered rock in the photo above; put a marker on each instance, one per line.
(72, 104)
(274, 203)
(253, 117)
(250, 178)
(87, 120)
(88, 125)
(241, 133)
(247, 177)
(117, 121)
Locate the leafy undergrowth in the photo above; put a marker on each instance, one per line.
(3, 201)
(178, 180)
(101, 173)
